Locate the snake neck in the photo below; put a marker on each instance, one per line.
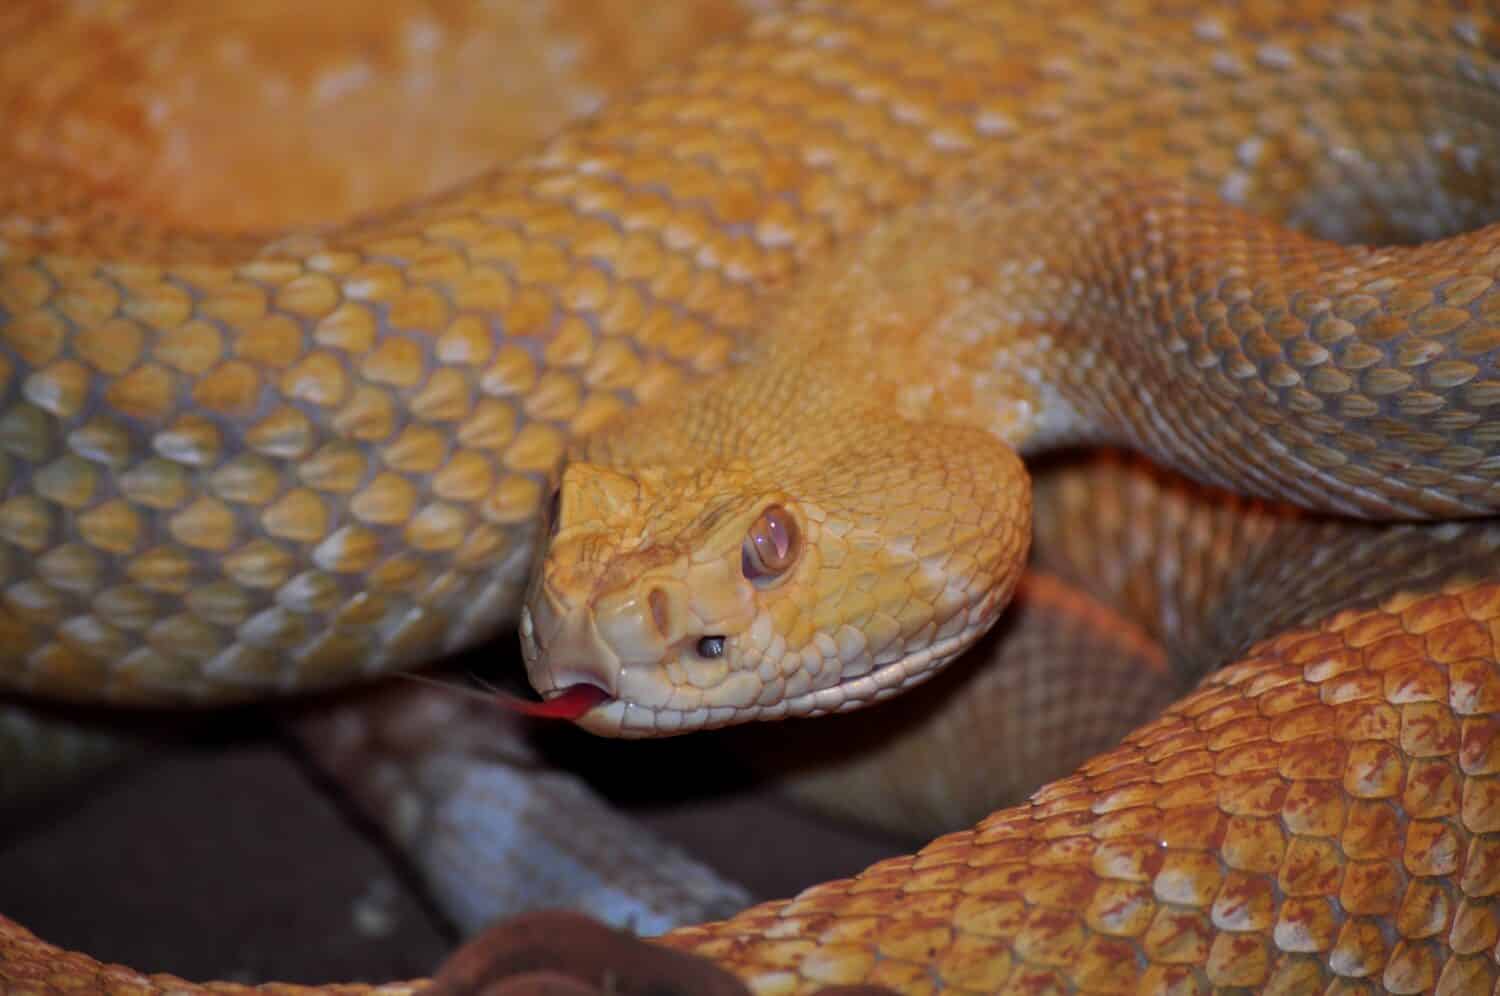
(1020, 309)
(899, 327)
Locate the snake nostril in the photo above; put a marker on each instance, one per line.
(659, 612)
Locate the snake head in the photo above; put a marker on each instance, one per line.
(722, 594)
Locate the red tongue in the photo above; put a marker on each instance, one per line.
(571, 703)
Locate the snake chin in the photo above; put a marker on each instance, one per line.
(625, 719)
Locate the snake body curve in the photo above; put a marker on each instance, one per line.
(232, 473)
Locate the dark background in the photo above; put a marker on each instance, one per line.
(233, 860)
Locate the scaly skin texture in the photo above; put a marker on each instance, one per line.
(232, 470)
(272, 115)
(304, 467)
(281, 484)
(1320, 817)
(1061, 678)
(259, 117)
(1348, 379)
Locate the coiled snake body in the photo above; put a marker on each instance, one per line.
(234, 470)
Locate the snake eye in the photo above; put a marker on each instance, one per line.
(711, 647)
(771, 546)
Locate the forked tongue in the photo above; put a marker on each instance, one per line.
(570, 703)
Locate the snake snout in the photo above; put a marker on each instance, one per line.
(563, 648)
(615, 640)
